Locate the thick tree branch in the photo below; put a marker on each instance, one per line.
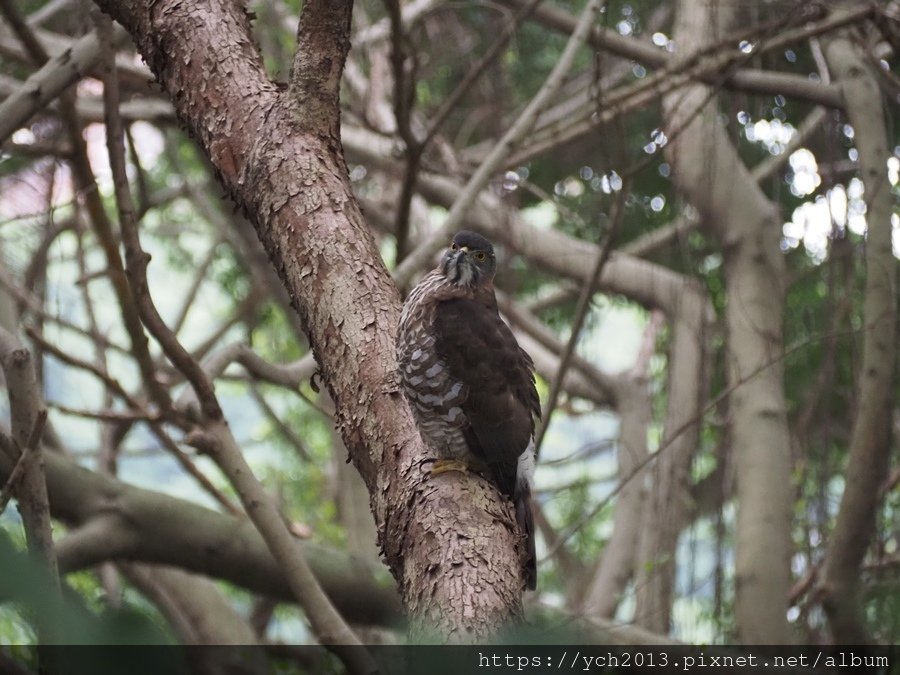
(114, 521)
(611, 573)
(323, 40)
(216, 438)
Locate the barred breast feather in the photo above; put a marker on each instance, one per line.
(435, 395)
(470, 385)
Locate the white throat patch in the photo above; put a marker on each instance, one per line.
(466, 274)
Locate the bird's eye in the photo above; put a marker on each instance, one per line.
(453, 246)
(480, 256)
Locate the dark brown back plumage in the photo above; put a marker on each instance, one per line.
(470, 385)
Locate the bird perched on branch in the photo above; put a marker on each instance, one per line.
(469, 383)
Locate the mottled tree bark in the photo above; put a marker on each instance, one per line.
(451, 542)
(737, 213)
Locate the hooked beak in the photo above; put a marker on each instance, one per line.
(460, 268)
(460, 257)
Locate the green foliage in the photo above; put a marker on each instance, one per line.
(273, 337)
(64, 618)
(572, 505)
(569, 190)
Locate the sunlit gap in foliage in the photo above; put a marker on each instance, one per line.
(828, 215)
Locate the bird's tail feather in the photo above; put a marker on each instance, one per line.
(525, 519)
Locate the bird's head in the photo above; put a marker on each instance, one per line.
(469, 260)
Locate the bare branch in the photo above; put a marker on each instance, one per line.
(135, 258)
(116, 521)
(581, 310)
(217, 440)
(23, 461)
(152, 417)
(749, 80)
(711, 64)
(199, 613)
(330, 628)
(28, 416)
(419, 258)
(48, 83)
(316, 72)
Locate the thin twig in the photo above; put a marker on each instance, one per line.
(23, 461)
(403, 101)
(712, 405)
(152, 418)
(587, 292)
(710, 64)
(281, 428)
(135, 257)
(477, 69)
(192, 293)
(496, 158)
(105, 415)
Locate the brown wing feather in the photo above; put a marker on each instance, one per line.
(482, 353)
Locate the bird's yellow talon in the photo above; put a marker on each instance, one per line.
(444, 465)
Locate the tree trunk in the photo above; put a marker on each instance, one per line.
(604, 592)
(451, 543)
(747, 225)
(870, 442)
(670, 506)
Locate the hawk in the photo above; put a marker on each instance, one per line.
(469, 383)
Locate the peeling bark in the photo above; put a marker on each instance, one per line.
(682, 300)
